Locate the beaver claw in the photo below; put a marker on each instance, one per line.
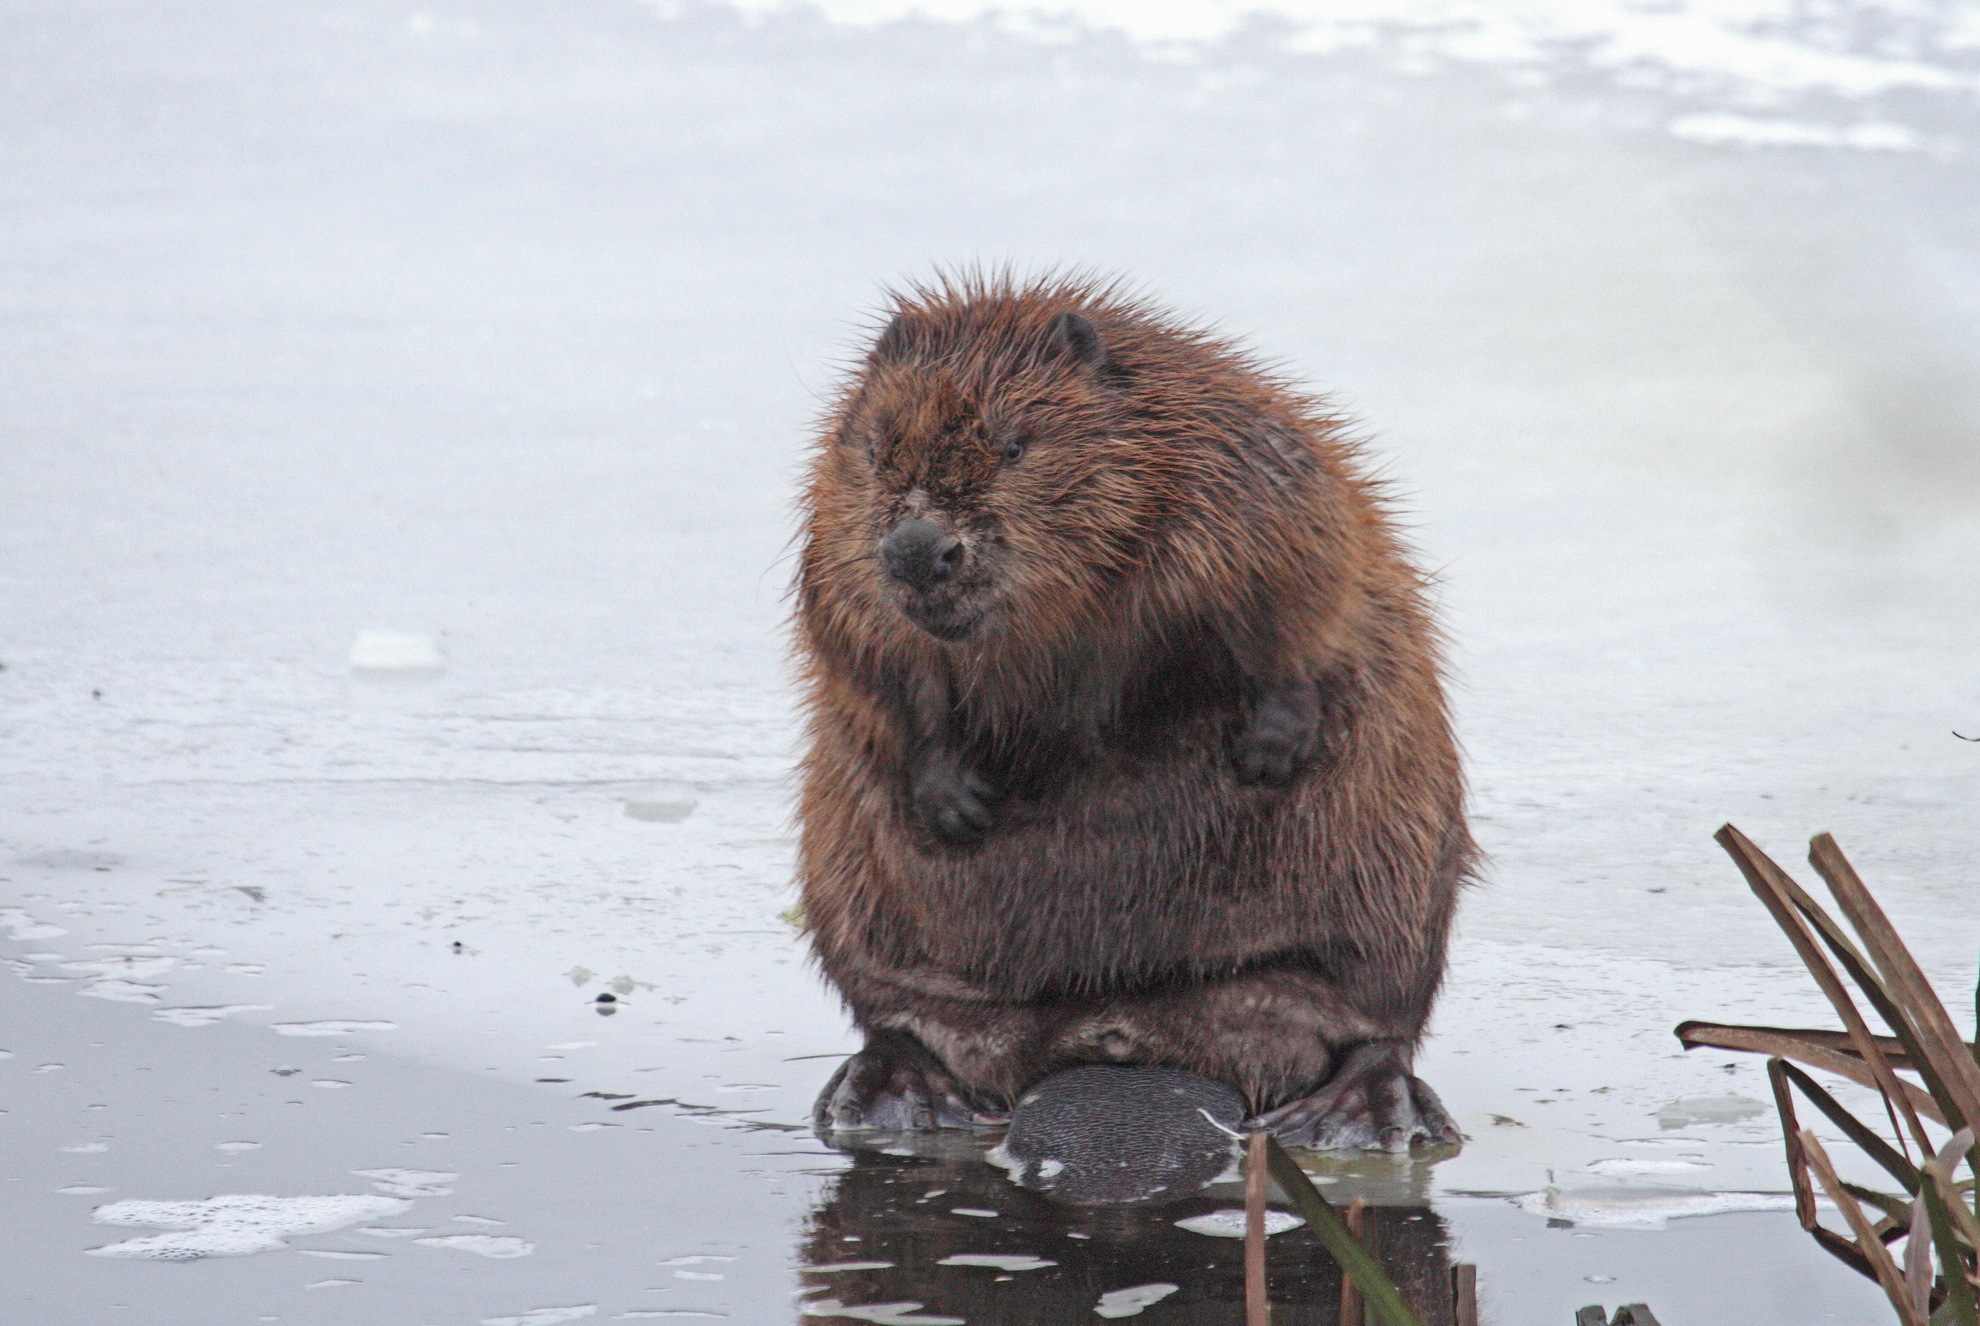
(896, 1085)
(952, 801)
(1371, 1103)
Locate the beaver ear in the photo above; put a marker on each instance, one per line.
(896, 342)
(1074, 337)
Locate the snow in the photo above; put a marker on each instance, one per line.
(235, 1225)
(497, 327)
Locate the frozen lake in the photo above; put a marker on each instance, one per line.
(499, 325)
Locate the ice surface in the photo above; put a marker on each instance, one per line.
(236, 1225)
(504, 322)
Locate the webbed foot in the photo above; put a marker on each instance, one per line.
(896, 1085)
(1371, 1103)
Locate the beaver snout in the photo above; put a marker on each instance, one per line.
(921, 554)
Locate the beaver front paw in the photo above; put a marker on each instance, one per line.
(896, 1085)
(1370, 1103)
(952, 801)
(1282, 737)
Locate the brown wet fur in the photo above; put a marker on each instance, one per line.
(1161, 771)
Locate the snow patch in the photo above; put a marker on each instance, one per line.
(1723, 129)
(234, 1225)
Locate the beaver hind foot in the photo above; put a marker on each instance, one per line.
(1371, 1102)
(896, 1085)
(1122, 1135)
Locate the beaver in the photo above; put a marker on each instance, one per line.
(1126, 735)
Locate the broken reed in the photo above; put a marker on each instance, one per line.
(1934, 1215)
(1368, 1295)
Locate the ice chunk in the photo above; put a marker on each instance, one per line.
(1684, 1112)
(659, 811)
(1626, 1165)
(497, 1246)
(1623, 1205)
(1229, 1223)
(409, 1182)
(997, 1261)
(234, 1225)
(123, 992)
(881, 1314)
(24, 926)
(207, 1015)
(395, 651)
(543, 1316)
(1129, 1302)
(332, 1027)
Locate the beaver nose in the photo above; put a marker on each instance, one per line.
(921, 554)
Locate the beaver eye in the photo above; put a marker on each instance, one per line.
(1013, 450)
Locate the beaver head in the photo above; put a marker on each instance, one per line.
(974, 479)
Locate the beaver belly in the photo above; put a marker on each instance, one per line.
(1144, 880)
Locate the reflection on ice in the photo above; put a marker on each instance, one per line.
(913, 1250)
